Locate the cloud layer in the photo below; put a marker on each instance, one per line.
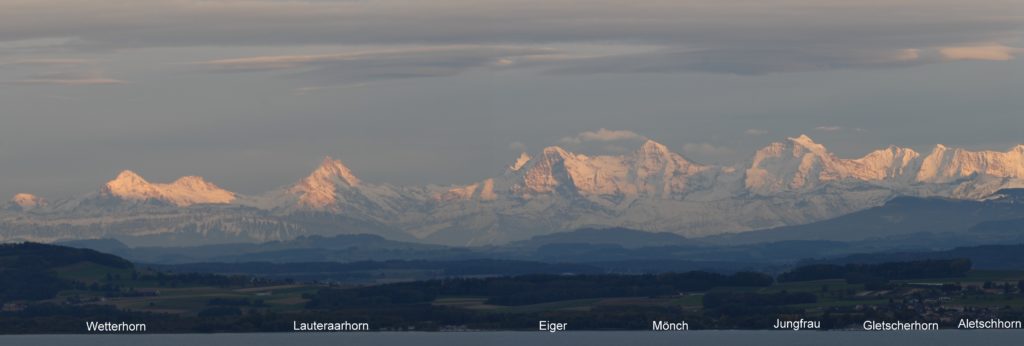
(370, 65)
(639, 36)
(252, 92)
(602, 135)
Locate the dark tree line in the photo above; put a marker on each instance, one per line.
(533, 289)
(26, 269)
(868, 273)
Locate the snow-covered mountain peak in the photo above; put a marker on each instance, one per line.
(193, 182)
(802, 164)
(890, 163)
(946, 165)
(650, 146)
(546, 172)
(891, 152)
(183, 192)
(651, 170)
(939, 150)
(784, 166)
(794, 180)
(129, 185)
(654, 153)
(555, 152)
(327, 186)
(26, 201)
(523, 159)
(128, 178)
(804, 141)
(331, 170)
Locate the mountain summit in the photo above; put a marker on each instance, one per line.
(333, 188)
(183, 192)
(652, 170)
(320, 189)
(26, 202)
(331, 171)
(801, 164)
(946, 164)
(789, 182)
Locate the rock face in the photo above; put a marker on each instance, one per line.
(333, 188)
(323, 189)
(802, 164)
(790, 182)
(944, 164)
(650, 171)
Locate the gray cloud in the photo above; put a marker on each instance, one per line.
(704, 35)
(281, 83)
(757, 61)
(56, 71)
(829, 128)
(517, 146)
(707, 152)
(180, 22)
(69, 82)
(363, 66)
(45, 62)
(602, 135)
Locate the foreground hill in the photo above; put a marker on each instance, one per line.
(989, 257)
(339, 248)
(39, 271)
(910, 220)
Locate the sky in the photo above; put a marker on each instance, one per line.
(253, 94)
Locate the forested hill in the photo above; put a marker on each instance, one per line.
(33, 256)
(30, 271)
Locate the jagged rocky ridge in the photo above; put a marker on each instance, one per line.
(790, 182)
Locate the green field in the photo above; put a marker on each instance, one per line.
(186, 299)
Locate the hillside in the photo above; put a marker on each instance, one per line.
(38, 271)
(990, 220)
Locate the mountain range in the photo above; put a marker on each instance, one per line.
(787, 183)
